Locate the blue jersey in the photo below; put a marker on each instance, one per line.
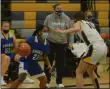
(6, 44)
(37, 50)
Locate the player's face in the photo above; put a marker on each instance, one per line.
(59, 7)
(44, 33)
(5, 27)
(89, 14)
(58, 10)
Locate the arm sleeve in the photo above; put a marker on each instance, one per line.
(46, 50)
(29, 39)
(46, 21)
(70, 36)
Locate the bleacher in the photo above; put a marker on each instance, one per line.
(26, 14)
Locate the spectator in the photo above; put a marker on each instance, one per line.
(90, 18)
(58, 42)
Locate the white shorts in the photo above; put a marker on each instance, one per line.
(96, 54)
(39, 75)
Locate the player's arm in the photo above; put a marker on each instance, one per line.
(18, 57)
(46, 61)
(76, 28)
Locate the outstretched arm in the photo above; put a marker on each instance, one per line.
(76, 28)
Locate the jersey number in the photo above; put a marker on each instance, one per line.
(35, 57)
(7, 50)
(90, 25)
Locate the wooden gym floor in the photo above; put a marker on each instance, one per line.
(71, 82)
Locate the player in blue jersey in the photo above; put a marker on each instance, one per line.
(39, 49)
(7, 45)
(8, 50)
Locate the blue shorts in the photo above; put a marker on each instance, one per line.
(12, 56)
(34, 68)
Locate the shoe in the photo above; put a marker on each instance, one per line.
(48, 85)
(2, 82)
(60, 86)
(28, 80)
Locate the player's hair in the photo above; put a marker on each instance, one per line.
(79, 15)
(3, 22)
(54, 6)
(87, 12)
(39, 28)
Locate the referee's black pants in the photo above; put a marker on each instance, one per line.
(57, 52)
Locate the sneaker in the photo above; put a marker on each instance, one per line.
(28, 80)
(48, 85)
(2, 82)
(60, 86)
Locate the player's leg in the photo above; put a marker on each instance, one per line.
(4, 67)
(43, 80)
(13, 68)
(28, 80)
(96, 72)
(21, 76)
(59, 63)
(18, 81)
(81, 69)
(98, 56)
(92, 75)
(23, 68)
(5, 63)
(51, 59)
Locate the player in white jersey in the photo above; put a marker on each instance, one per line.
(96, 52)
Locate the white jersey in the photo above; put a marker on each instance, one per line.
(89, 33)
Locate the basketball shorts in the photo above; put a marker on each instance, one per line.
(34, 69)
(12, 56)
(96, 53)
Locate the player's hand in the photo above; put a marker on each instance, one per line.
(49, 68)
(70, 46)
(59, 30)
(22, 41)
(17, 58)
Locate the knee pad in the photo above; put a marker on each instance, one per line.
(22, 76)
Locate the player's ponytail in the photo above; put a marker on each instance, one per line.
(38, 29)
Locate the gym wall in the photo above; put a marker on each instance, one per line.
(26, 14)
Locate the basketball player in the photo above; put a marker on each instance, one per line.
(96, 52)
(8, 44)
(39, 48)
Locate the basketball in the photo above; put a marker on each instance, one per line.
(104, 36)
(24, 49)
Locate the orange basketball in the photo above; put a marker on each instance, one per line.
(24, 49)
(104, 36)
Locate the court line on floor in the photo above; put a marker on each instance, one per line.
(86, 85)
